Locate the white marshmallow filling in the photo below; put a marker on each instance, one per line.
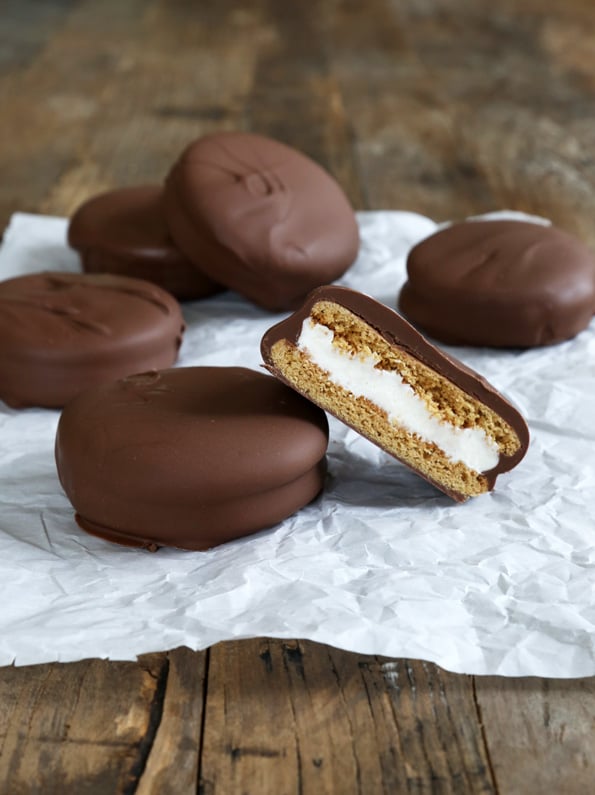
(387, 390)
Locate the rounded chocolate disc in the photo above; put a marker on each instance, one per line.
(61, 333)
(124, 232)
(189, 457)
(500, 284)
(260, 217)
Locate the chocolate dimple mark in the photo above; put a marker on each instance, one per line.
(146, 295)
(144, 385)
(299, 252)
(483, 258)
(104, 282)
(70, 313)
(55, 282)
(263, 183)
(148, 378)
(259, 177)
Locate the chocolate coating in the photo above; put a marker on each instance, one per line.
(398, 332)
(260, 217)
(61, 333)
(190, 457)
(500, 284)
(124, 232)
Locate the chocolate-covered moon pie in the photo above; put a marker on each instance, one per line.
(189, 457)
(123, 231)
(500, 284)
(260, 217)
(61, 333)
(366, 365)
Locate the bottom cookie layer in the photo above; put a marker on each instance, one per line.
(204, 527)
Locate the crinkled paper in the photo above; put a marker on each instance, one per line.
(381, 563)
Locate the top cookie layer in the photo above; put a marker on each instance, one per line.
(260, 217)
(501, 284)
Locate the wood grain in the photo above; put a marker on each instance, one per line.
(462, 108)
(173, 756)
(540, 733)
(78, 727)
(296, 717)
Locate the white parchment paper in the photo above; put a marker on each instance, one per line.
(381, 563)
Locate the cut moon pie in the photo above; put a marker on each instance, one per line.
(366, 365)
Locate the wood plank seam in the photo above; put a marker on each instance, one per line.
(428, 667)
(341, 692)
(457, 740)
(397, 754)
(155, 715)
(483, 735)
(289, 656)
(419, 726)
(203, 720)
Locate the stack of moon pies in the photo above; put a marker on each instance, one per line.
(192, 456)
(238, 211)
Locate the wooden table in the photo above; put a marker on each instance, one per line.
(445, 107)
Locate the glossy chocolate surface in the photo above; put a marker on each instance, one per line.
(260, 217)
(500, 284)
(124, 232)
(398, 332)
(61, 333)
(190, 457)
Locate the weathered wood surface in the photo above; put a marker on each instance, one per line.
(271, 716)
(444, 107)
